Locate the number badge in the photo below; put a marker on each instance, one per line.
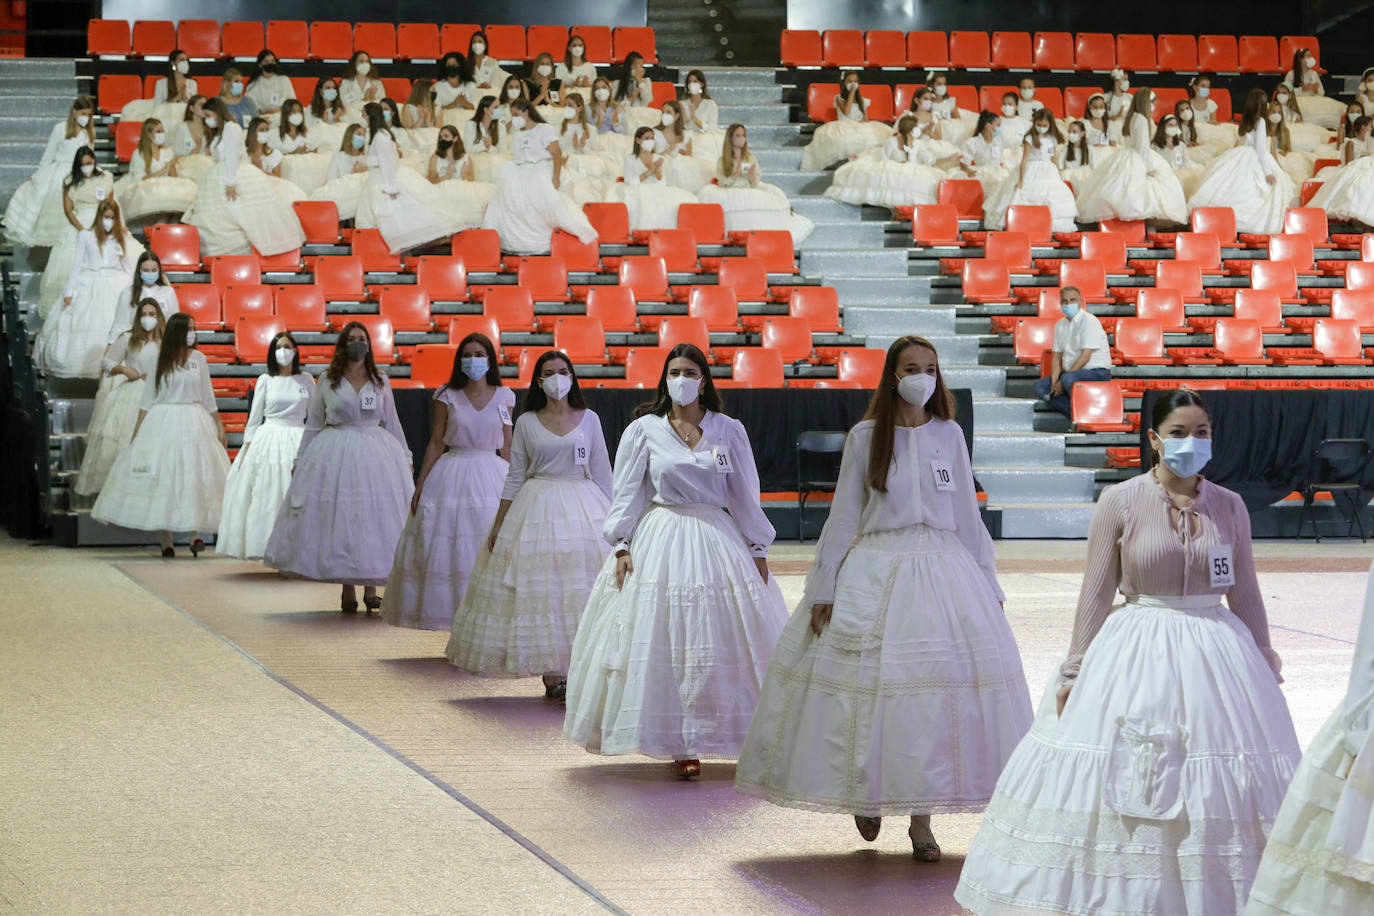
(940, 472)
(1221, 567)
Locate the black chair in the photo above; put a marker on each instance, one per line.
(1337, 465)
(819, 473)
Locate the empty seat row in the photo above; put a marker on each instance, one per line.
(1062, 51)
(299, 40)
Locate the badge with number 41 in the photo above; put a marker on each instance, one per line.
(939, 470)
(721, 459)
(1220, 565)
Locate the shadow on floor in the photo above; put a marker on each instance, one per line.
(860, 882)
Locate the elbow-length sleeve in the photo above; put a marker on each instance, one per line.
(386, 161)
(138, 168)
(519, 458)
(115, 353)
(968, 524)
(391, 421)
(1139, 138)
(1244, 598)
(314, 417)
(629, 487)
(55, 138)
(742, 491)
(599, 460)
(1101, 578)
(1357, 709)
(87, 258)
(256, 409)
(846, 513)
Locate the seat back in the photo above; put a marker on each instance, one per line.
(646, 276)
(253, 334)
(1032, 219)
(1097, 402)
(1032, 339)
(375, 253)
(965, 195)
(747, 276)
(1355, 305)
(1162, 305)
(239, 269)
(614, 307)
(581, 338)
(1136, 52)
(199, 38)
(819, 305)
(302, 306)
(331, 40)
(1237, 338)
(864, 366)
(378, 39)
(935, 224)
(339, 276)
(1200, 247)
(1220, 221)
(800, 48)
(319, 220)
(202, 302)
(1139, 337)
(774, 248)
(716, 305)
(1108, 248)
(983, 278)
(507, 42)
(1308, 221)
(1184, 276)
(676, 329)
(820, 102)
(969, 50)
(480, 250)
(578, 256)
(511, 306)
(546, 278)
(1011, 51)
(1359, 275)
(417, 41)
(1176, 53)
(842, 48)
(1053, 51)
(677, 248)
(289, 39)
(1258, 54)
(597, 38)
(1280, 276)
(154, 37)
(1336, 338)
(445, 279)
(885, 48)
(1012, 247)
(126, 134)
(1094, 51)
(114, 91)
(1218, 54)
(790, 337)
(625, 39)
(1089, 276)
(757, 367)
(432, 364)
(239, 300)
(406, 307)
(1292, 249)
(644, 366)
(707, 222)
(926, 49)
(610, 220)
(108, 38)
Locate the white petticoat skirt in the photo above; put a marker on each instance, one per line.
(306, 171)
(1235, 179)
(1131, 186)
(838, 140)
(1155, 790)
(764, 206)
(670, 666)
(171, 477)
(525, 598)
(257, 485)
(345, 507)
(260, 217)
(1321, 111)
(153, 196)
(526, 208)
(73, 337)
(1320, 857)
(1041, 185)
(911, 699)
(344, 192)
(194, 167)
(651, 205)
(117, 403)
(416, 216)
(1347, 193)
(34, 215)
(442, 538)
(875, 180)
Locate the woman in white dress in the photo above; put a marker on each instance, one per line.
(983, 154)
(1014, 127)
(1163, 745)
(1304, 137)
(170, 477)
(1198, 152)
(1134, 182)
(652, 203)
(528, 204)
(303, 164)
(347, 173)
(191, 142)
(1170, 144)
(85, 188)
(326, 117)
(151, 187)
(269, 161)
(531, 581)
(457, 493)
(351, 483)
(1353, 112)
(127, 363)
(543, 89)
(455, 94)
(1037, 180)
(956, 125)
(1347, 192)
(850, 134)
(453, 175)
(1210, 129)
(574, 71)
(397, 201)
(893, 177)
(929, 142)
(1248, 179)
(486, 72)
(1319, 860)
(672, 141)
(74, 334)
(486, 141)
(150, 282)
(34, 215)
(673, 646)
(237, 209)
(269, 88)
(1075, 158)
(896, 688)
(634, 93)
(1311, 94)
(1120, 99)
(587, 174)
(1365, 92)
(1102, 132)
(512, 91)
(260, 475)
(703, 117)
(606, 116)
(1297, 164)
(171, 92)
(360, 84)
(750, 203)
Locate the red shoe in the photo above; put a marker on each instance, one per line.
(168, 553)
(196, 547)
(686, 769)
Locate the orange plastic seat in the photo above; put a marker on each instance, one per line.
(986, 281)
(331, 40)
(1289, 45)
(677, 248)
(597, 38)
(340, 277)
(1338, 342)
(396, 88)
(716, 305)
(551, 39)
(289, 39)
(1184, 276)
(240, 269)
(239, 301)
(378, 39)
(885, 48)
(1202, 248)
(611, 222)
(376, 255)
(461, 326)
(1279, 276)
(1053, 51)
(1011, 51)
(1094, 51)
(774, 248)
(302, 307)
(625, 39)
(1136, 52)
(154, 38)
(644, 366)
(1218, 53)
(1176, 53)
(1220, 221)
(1098, 407)
(108, 38)
(1013, 248)
(1034, 220)
(319, 220)
(1140, 341)
(756, 367)
(1089, 276)
(820, 103)
(1164, 306)
(1258, 54)
(511, 306)
(417, 41)
(457, 36)
(969, 51)
(432, 364)
(864, 366)
(790, 337)
(842, 48)
(1293, 249)
(406, 307)
(927, 49)
(800, 48)
(582, 338)
(383, 337)
(1355, 305)
(935, 225)
(1308, 221)
(288, 262)
(1359, 275)
(1032, 340)
(819, 305)
(199, 38)
(965, 195)
(507, 42)
(546, 278)
(747, 276)
(126, 134)
(614, 307)
(1107, 248)
(676, 329)
(202, 302)
(253, 334)
(445, 279)
(479, 249)
(114, 91)
(646, 277)
(1263, 307)
(577, 256)
(1237, 342)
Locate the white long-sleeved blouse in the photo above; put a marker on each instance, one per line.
(142, 360)
(383, 156)
(536, 452)
(1258, 141)
(91, 255)
(1357, 710)
(123, 321)
(281, 399)
(228, 150)
(188, 383)
(341, 405)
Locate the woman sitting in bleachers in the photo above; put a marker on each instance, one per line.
(894, 176)
(956, 124)
(749, 202)
(702, 115)
(1037, 180)
(171, 92)
(574, 71)
(850, 134)
(486, 141)
(1198, 152)
(634, 93)
(304, 165)
(681, 169)
(1365, 94)
(269, 88)
(1134, 182)
(1303, 136)
(931, 145)
(1119, 97)
(613, 129)
(151, 185)
(1170, 142)
(652, 202)
(85, 187)
(486, 73)
(1233, 177)
(35, 215)
(455, 94)
(1100, 131)
(1014, 127)
(983, 155)
(326, 117)
(589, 173)
(270, 161)
(1076, 158)
(361, 84)
(544, 91)
(1211, 130)
(191, 141)
(1311, 94)
(452, 174)
(1347, 192)
(1297, 164)
(347, 173)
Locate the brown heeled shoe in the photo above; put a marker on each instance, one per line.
(868, 826)
(924, 851)
(687, 769)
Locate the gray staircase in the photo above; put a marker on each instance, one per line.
(717, 32)
(34, 95)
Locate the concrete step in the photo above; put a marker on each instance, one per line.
(818, 207)
(1015, 449)
(902, 291)
(55, 86)
(34, 66)
(740, 76)
(802, 182)
(35, 127)
(1026, 484)
(1044, 520)
(845, 234)
(888, 322)
(728, 94)
(755, 114)
(771, 160)
(953, 350)
(55, 107)
(1002, 414)
(770, 136)
(876, 262)
(982, 381)
(17, 151)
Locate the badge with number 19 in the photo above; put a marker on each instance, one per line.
(580, 451)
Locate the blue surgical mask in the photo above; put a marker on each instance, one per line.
(474, 367)
(236, 89)
(1185, 457)
(359, 141)
(1069, 309)
(148, 277)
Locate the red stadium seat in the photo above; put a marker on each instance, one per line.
(406, 307)
(1278, 276)
(320, 221)
(507, 42)
(114, 91)
(819, 305)
(820, 101)
(1163, 305)
(597, 38)
(756, 367)
(1076, 100)
(176, 245)
(551, 39)
(966, 195)
(646, 277)
(1089, 276)
(417, 41)
(1032, 219)
(1136, 52)
(747, 276)
(986, 281)
(378, 39)
(877, 102)
(676, 329)
(1032, 340)
(1263, 307)
(1109, 248)
(340, 278)
(432, 364)
(1184, 276)
(331, 40)
(864, 366)
(1238, 342)
(463, 325)
(970, 51)
(774, 248)
(614, 307)
(644, 366)
(990, 96)
(1053, 51)
(444, 278)
(790, 337)
(718, 306)
(126, 139)
(1094, 51)
(626, 39)
(480, 250)
(611, 221)
(800, 48)
(1308, 221)
(1259, 54)
(1011, 248)
(1218, 54)
(288, 262)
(582, 338)
(1338, 342)
(577, 257)
(456, 36)
(241, 269)
(885, 48)
(927, 50)
(1200, 247)
(154, 38)
(511, 306)
(1140, 342)
(1098, 407)
(202, 302)
(199, 38)
(545, 277)
(677, 248)
(842, 48)
(1359, 275)
(1051, 98)
(302, 307)
(108, 38)
(1289, 45)
(1293, 249)
(1220, 221)
(289, 39)
(1011, 51)
(396, 88)
(243, 39)
(376, 255)
(1176, 53)
(383, 337)
(239, 301)
(1355, 305)
(253, 335)
(935, 225)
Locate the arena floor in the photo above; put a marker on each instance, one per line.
(207, 737)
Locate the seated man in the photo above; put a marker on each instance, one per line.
(1081, 352)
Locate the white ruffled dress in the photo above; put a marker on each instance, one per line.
(526, 208)
(1239, 179)
(34, 215)
(1134, 182)
(115, 413)
(141, 196)
(260, 217)
(401, 204)
(1039, 185)
(74, 336)
(755, 205)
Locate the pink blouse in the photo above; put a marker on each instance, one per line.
(1134, 548)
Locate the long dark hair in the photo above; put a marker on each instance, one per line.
(622, 86)
(137, 295)
(457, 379)
(318, 106)
(137, 336)
(289, 107)
(172, 354)
(458, 62)
(536, 399)
(339, 361)
(217, 108)
(1167, 404)
(376, 122)
(985, 118)
(484, 106)
(1256, 105)
(700, 77)
(272, 365)
(882, 409)
(1299, 67)
(662, 403)
(75, 178)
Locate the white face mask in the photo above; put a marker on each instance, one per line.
(147, 322)
(512, 93)
(739, 140)
(1125, 85)
(941, 90)
(556, 386)
(1309, 61)
(1186, 456)
(1098, 112)
(926, 104)
(191, 338)
(602, 94)
(1186, 114)
(1027, 94)
(544, 70)
(684, 390)
(1074, 136)
(262, 136)
(183, 67)
(285, 356)
(158, 137)
(295, 119)
(1204, 91)
(1282, 98)
(474, 367)
(1276, 118)
(1009, 110)
(694, 88)
(479, 47)
(210, 121)
(577, 50)
(329, 94)
(386, 115)
(88, 170)
(517, 122)
(569, 112)
(668, 119)
(916, 389)
(83, 120)
(363, 68)
(1042, 128)
(647, 144)
(1172, 131)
